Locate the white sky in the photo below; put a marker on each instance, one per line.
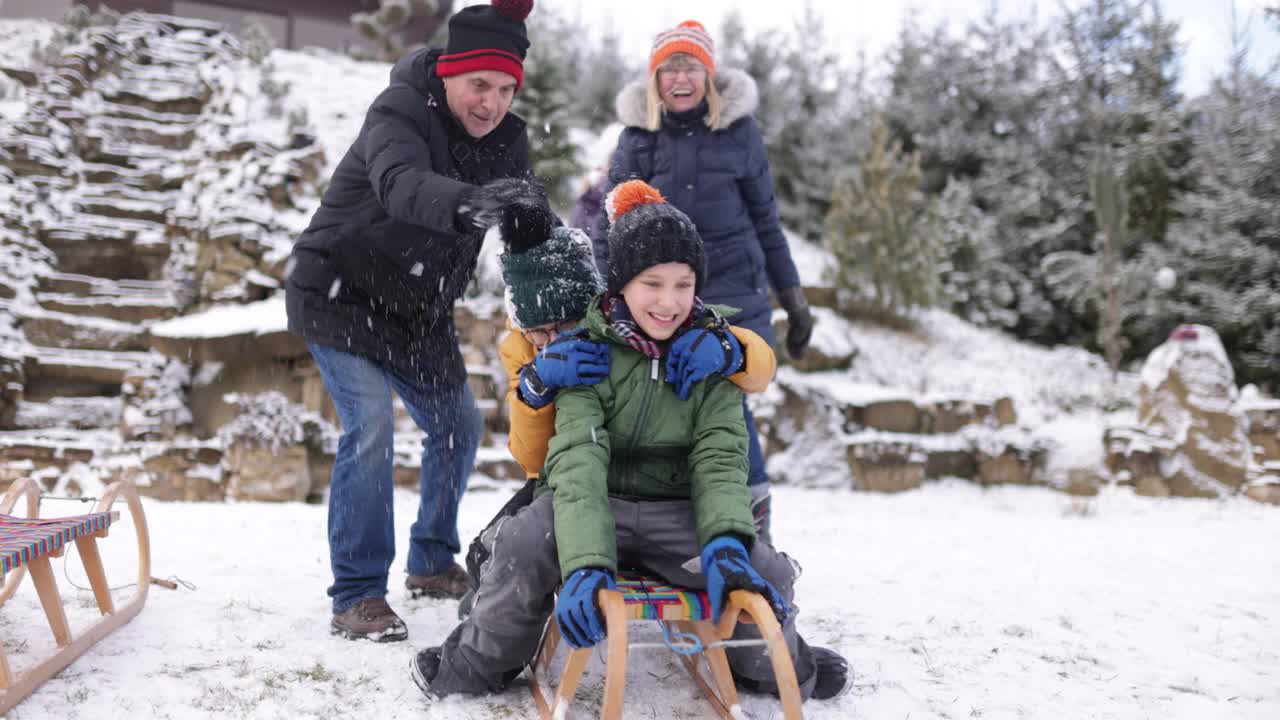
(1204, 24)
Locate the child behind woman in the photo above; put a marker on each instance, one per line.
(635, 477)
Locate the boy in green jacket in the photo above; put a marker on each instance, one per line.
(635, 477)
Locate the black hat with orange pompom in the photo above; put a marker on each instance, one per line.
(645, 231)
(487, 37)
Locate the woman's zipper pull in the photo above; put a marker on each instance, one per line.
(653, 369)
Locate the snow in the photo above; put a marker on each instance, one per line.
(950, 602)
(334, 90)
(257, 318)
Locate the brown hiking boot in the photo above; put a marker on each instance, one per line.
(369, 619)
(452, 583)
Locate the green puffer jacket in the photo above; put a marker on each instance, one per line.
(630, 436)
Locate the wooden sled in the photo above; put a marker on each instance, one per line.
(642, 598)
(28, 544)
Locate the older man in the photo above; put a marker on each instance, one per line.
(372, 287)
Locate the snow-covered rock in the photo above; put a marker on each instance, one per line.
(1188, 398)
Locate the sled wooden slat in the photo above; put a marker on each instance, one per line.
(640, 598)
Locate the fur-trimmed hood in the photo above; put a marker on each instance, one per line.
(738, 93)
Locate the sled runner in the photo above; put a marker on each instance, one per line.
(27, 544)
(639, 597)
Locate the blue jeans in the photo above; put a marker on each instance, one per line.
(361, 529)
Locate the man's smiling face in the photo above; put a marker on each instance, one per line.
(480, 99)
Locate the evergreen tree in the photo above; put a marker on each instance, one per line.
(972, 108)
(1225, 243)
(546, 104)
(384, 27)
(883, 230)
(1104, 283)
(807, 128)
(976, 283)
(601, 73)
(805, 112)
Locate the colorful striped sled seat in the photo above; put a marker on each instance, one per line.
(27, 545)
(647, 598)
(24, 539)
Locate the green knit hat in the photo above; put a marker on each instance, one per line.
(551, 282)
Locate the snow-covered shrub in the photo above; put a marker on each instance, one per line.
(883, 230)
(258, 42)
(270, 420)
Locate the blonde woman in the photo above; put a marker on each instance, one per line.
(689, 132)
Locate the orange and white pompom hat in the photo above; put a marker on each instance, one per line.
(690, 38)
(645, 230)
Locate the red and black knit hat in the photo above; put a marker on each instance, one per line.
(487, 37)
(690, 38)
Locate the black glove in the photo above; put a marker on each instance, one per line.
(481, 207)
(525, 224)
(799, 321)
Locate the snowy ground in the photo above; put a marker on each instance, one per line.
(951, 602)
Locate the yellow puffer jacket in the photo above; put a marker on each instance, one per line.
(531, 429)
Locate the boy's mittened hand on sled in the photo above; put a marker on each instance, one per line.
(699, 353)
(578, 612)
(727, 567)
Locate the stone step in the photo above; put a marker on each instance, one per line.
(77, 413)
(120, 111)
(67, 330)
(173, 94)
(119, 249)
(24, 451)
(57, 372)
(96, 286)
(123, 308)
(146, 132)
(26, 152)
(127, 206)
(187, 471)
(99, 149)
(151, 179)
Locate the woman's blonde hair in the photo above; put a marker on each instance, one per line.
(654, 107)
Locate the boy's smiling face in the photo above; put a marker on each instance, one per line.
(660, 298)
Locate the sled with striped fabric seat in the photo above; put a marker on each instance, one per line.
(27, 544)
(640, 598)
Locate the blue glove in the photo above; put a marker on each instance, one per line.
(569, 360)
(578, 610)
(700, 352)
(727, 567)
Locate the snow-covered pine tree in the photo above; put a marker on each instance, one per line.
(1113, 81)
(807, 134)
(1224, 245)
(546, 103)
(1101, 283)
(760, 57)
(805, 112)
(975, 282)
(383, 28)
(601, 72)
(257, 42)
(972, 108)
(883, 230)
